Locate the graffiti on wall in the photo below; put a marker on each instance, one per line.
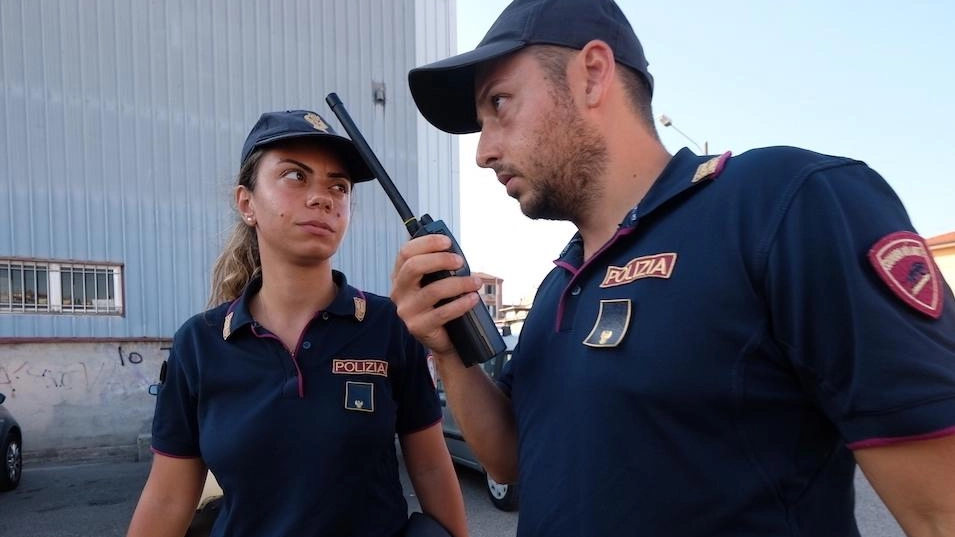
(87, 374)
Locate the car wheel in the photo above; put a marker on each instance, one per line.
(504, 497)
(12, 464)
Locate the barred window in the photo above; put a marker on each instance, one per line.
(50, 286)
(23, 286)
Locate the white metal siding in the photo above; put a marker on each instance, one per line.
(437, 151)
(123, 121)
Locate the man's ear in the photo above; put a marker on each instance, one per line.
(600, 68)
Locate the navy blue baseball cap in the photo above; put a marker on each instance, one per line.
(444, 90)
(274, 126)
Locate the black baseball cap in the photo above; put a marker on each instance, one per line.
(274, 126)
(444, 90)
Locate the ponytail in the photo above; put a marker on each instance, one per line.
(239, 261)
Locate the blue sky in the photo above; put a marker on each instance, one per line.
(870, 80)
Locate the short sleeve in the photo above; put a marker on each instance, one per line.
(505, 378)
(418, 405)
(175, 422)
(878, 367)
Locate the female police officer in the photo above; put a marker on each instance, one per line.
(292, 390)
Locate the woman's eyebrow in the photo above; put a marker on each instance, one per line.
(297, 163)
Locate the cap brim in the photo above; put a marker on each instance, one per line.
(444, 90)
(358, 171)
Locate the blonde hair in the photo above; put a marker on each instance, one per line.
(239, 261)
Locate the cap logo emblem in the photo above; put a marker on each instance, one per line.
(648, 266)
(903, 261)
(316, 122)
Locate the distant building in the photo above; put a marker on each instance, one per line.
(508, 318)
(491, 294)
(513, 315)
(943, 250)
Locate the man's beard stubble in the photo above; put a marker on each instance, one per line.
(571, 156)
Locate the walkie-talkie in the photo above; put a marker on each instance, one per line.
(473, 334)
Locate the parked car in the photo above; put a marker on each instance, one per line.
(211, 497)
(207, 509)
(503, 496)
(11, 449)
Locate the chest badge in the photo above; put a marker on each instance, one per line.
(360, 367)
(903, 261)
(613, 321)
(648, 266)
(360, 396)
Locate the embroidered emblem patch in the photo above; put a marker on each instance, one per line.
(360, 367)
(227, 326)
(711, 168)
(904, 263)
(316, 122)
(359, 309)
(648, 266)
(612, 323)
(360, 396)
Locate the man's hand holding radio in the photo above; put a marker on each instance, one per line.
(416, 301)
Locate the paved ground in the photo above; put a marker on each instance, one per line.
(73, 500)
(97, 500)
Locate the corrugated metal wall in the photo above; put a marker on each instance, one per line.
(122, 123)
(440, 174)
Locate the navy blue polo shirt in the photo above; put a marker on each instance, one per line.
(708, 371)
(301, 440)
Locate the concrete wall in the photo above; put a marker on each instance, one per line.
(78, 400)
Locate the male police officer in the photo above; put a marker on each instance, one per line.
(723, 339)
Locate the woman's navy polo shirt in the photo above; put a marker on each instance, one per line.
(301, 444)
(708, 371)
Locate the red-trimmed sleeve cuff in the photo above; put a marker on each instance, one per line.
(924, 422)
(421, 428)
(172, 456)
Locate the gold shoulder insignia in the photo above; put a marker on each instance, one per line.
(359, 309)
(711, 168)
(227, 326)
(316, 122)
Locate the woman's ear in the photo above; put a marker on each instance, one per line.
(243, 202)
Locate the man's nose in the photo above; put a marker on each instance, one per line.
(488, 149)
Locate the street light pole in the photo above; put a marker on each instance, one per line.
(667, 122)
